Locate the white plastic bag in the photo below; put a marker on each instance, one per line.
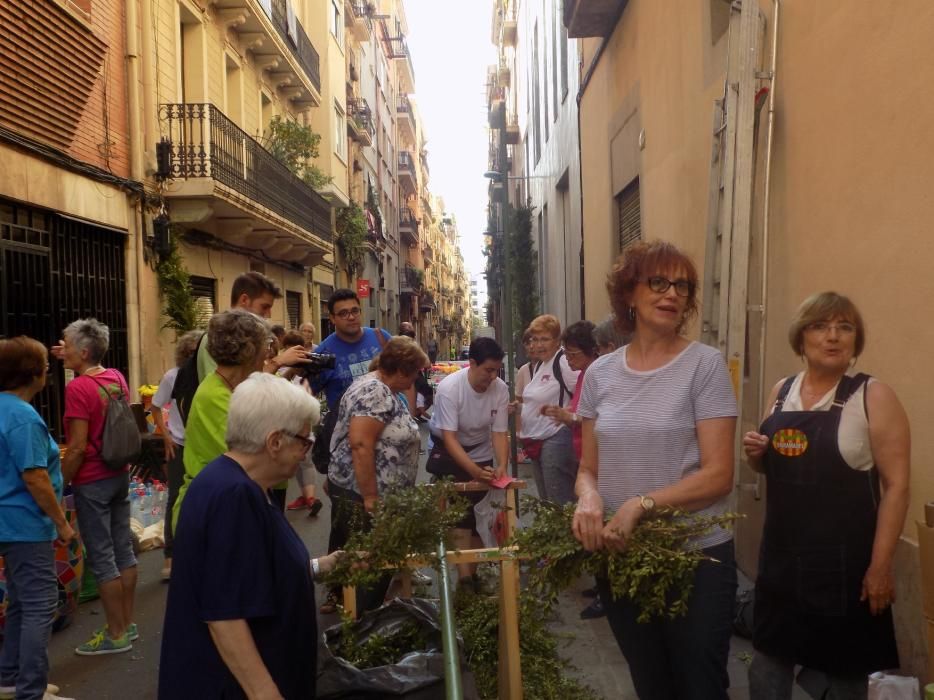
(486, 512)
(883, 686)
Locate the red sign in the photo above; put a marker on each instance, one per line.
(363, 289)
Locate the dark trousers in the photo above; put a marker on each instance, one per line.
(684, 658)
(176, 474)
(348, 516)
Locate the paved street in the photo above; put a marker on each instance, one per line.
(590, 645)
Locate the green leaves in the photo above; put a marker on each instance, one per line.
(656, 570)
(178, 302)
(351, 236)
(405, 524)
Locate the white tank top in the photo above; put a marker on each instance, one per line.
(853, 434)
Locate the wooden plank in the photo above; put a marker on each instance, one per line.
(510, 662)
(350, 601)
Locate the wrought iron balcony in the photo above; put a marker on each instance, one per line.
(408, 227)
(360, 123)
(410, 280)
(407, 171)
(426, 302)
(302, 48)
(205, 144)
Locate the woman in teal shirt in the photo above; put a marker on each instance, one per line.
(31, 518)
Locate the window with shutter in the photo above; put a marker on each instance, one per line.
(293, 307)
(628, 217)
(203, 290)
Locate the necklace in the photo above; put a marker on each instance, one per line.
(88, 370)
(226, 381)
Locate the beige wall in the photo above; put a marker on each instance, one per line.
(850, 193)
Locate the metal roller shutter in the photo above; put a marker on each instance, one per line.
(628, 216)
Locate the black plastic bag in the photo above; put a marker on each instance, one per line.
(418, 675)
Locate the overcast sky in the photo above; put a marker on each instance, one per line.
(449, 41)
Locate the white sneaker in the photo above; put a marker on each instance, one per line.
(8, 692)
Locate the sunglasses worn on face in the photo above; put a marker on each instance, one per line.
(306, 442)
(660, 285)
(348, 313)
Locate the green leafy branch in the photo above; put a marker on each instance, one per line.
(655, 571)
(294, 145)
(178, 301)
(351, 237)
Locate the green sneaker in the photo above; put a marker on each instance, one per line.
(132, 633)
(101, 644)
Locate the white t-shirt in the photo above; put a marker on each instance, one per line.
(645, 423)
(163, 398)
(474, 415)
(853, 434)
(545, 390)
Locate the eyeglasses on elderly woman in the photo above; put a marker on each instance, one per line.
(307, 443)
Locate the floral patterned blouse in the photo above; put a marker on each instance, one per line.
(396, 452)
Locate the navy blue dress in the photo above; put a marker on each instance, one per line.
(236, 557)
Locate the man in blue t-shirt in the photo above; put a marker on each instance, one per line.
(352, 345)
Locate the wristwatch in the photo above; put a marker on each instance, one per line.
(647, 503)
(575, 419)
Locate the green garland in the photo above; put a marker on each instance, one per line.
(405, 524)
(379, 649)
(655, 571)
(179, 307)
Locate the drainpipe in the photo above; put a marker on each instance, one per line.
(134, 261)
(766, 219)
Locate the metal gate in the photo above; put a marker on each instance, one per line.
(54, 270)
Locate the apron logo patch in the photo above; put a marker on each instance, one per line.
(790, 442)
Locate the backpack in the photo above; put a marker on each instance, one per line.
(186, 383)
(556, 371)
(121, 443)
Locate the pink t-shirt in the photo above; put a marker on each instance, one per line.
(85, 400)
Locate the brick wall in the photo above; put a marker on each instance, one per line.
(63, 80)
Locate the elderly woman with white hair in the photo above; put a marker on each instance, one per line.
(240, 616)
(100, 491)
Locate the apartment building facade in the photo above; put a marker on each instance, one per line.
(71, 209)
(537, 79)
(846, 195)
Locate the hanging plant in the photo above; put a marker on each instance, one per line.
(351, 237)
(178, 301)
(294, 145)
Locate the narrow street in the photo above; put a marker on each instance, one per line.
(588, 644)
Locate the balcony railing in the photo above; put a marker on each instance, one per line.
(406, 162)
(206, 144)
(361, 9)
(410, 281)
(360, 115)
(302, 48)
(403, 104)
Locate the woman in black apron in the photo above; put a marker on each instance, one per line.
(826, 581)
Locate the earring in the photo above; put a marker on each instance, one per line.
(632, 313)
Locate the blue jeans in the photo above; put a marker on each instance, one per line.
(555, 470)
(103, 509)
(32, 592)
(684, 658)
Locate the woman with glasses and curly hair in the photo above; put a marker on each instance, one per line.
(658, 420)
(828, 442)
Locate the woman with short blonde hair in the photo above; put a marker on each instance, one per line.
(835, 448)
(548, 443)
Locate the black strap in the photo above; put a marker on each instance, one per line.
(846, 388)
(783, 393)
(559, 375)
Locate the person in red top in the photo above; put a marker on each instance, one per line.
(101, 501)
